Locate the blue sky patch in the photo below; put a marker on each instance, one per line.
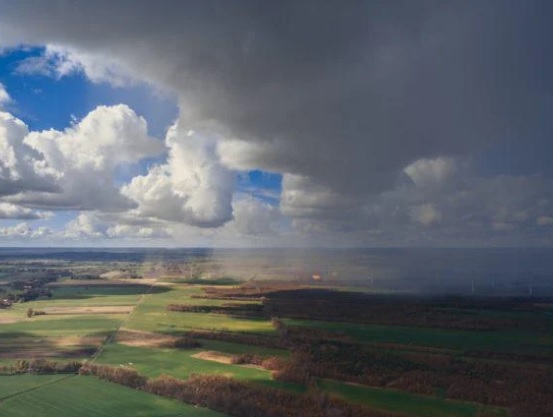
(264, 186)
(45, 102)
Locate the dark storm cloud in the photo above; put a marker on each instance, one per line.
(345, 93)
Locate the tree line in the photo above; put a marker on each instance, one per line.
(237, 398)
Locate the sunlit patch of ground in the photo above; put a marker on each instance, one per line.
(8, 320)
(210, 355)
(77, 341)
(143, 339)
(88, 310)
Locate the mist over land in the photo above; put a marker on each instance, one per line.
(428, 271)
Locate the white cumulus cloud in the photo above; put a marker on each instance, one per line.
(192, 187)
(12, 211)
(24, 231)
(136, 232)
(22, 168)
(58, 62)
(80, 161)
(85, 225)
(431, 172)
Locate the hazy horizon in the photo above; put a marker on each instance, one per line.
(495, 272)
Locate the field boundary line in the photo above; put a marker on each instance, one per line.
(110, 338)
(7, 397)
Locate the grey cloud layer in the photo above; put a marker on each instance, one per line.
(338, 96)
(346, 93)
(436, 201)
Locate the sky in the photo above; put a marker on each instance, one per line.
(293, 123)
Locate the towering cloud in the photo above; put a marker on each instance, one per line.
(193, 187)
(22, 168)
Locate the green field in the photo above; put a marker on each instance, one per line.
(181, 364)
(403, 402)
(174, 362)
(507, 341)
(86, 396)
(47, 396)
(47, 334)
(75, 325)
(151, 315)
(10, 385)
(93, 296)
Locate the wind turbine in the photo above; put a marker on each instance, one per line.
(531, 284)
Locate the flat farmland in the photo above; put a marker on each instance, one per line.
(403, 402)
(129, 326)
(506, 341)
(184, 363)
(51, 336)
(85, 295)
(175, 362)
(134, 338)
(60, 396)
(11, 385)
(76, 325)
(72, 323)
(152, 315)
(73, 310)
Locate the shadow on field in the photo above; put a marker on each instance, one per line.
(23, 345)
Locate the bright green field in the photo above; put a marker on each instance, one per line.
(10, 385)
(74, 325)
(87, 396)
(151, 315)
(175, 362)
(181, 364)
(403, 402)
